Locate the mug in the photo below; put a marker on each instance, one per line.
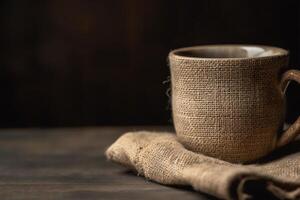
(228, 101)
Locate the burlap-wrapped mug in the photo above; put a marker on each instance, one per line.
(228, 100)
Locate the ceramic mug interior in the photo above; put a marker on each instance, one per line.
(229, 51)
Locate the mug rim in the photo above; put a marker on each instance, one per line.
(279, 52)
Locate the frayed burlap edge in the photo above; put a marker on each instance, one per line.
(161, 158)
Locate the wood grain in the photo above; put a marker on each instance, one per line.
(70, 63)
(70, 164)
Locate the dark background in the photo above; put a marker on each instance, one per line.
(103, 62)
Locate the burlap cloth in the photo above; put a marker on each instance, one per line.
(160, 157)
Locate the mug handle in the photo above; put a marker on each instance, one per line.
(291, 133)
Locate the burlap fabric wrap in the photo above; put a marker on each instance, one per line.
(161, 158)
(227, 108)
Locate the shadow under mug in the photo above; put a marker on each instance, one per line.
(228, 100)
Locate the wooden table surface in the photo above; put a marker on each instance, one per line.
(69, 163)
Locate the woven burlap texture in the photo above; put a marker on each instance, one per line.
(160, 157)
(225, 108)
